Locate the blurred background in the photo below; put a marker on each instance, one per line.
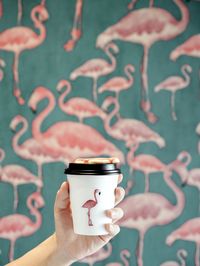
(102, 78)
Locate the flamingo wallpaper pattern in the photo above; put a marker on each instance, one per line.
(92, 78)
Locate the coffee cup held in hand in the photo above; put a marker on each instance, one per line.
(92, 184)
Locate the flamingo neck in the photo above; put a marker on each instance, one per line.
(19, 134)
(129, 75)
(36, 125)
(114, 112)
(95, 197)
(181, 257)
(61, 100)
(177, 209)
(34, 211)
(111, 56)
(185, 15)
(124, 258)
(130, 156)
(186, 76)
(38, 25)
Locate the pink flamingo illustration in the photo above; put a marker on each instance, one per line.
(1, 8)
(131, 131)
(124, 255)
(100, 255)
(17, 175)
(15, 226)
(181, 254)
(146, 26)
(198, 132)
(189, 231)
(76, 29)
(191, 47)
(117, 84)
(68, 139)
(80, 107)
(145, 163)
(18, 39)
(145, 210)
(175, 83)
(89, 204)
(32, 149)
(97, 67)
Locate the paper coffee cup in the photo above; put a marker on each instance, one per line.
(92, 185)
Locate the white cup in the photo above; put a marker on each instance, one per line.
(92, 189)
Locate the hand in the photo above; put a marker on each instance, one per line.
(72, 247)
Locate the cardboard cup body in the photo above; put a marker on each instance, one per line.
(90, 197)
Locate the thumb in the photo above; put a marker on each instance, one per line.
(62, 197)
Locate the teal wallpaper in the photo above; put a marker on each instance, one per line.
(102, 78)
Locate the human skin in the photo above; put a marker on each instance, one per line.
(64, 247)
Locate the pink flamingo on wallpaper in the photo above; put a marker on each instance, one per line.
(131, 131)
(175, 83)
(100, 255)
(181, 254)
(189, 231)
(17, 175)
(89, 204)
(97, 67)
(68, 138)
(18, 39)
(146, 26)
(32, 149)
(191, 47)
(76, 29)
(145, 210)
(117, 84)
(1, 8)
(15, 226)
(198, 132)
(146, 163)
(80, 107)
(124, 255)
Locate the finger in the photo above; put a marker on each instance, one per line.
(62, 196)
(115, 214)
(119, 195)
(120, 177)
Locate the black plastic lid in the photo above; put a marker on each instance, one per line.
(92, 169)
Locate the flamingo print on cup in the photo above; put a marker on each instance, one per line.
(189, 231)
(63, 139)
(78, 106)
(175, 83)
(131, 131)
(97, 67)
(17, 175)
(89, 204)
(146, 26)
(76, 29)
(18, 39)
(181, 254)
(15, 226)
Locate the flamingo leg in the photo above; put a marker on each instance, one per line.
(95, 89)
(43, 2)
(15, 198)
(197, 255)
(174, 117)
(117, 97)
(11, 252)
(40, 170)
(89, 219)
(1, 9)
(151, 3)
(76, 29)
(19, 16)
(131, 5)
(140, 249)
(145, 102)
(146, 182)
(17, 92)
